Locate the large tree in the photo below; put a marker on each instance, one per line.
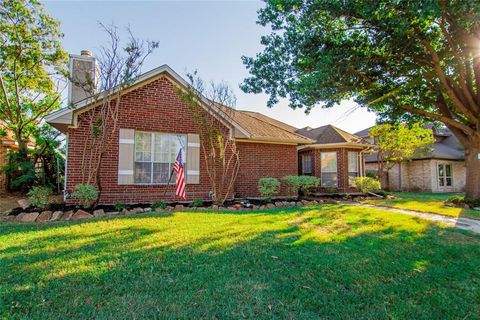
(31, 58)
(406, 60)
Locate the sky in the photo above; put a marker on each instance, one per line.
(207, 36)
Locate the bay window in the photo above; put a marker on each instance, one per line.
(155, 154)
(329, 176)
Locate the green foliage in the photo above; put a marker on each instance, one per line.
(302, 184)
(366, 184)
(462, 200)
(86, 194)
(268, 187)
(397, 143)
(119, 206)
(196, 203)
(30, 55)
(159, 205)
(39, 196)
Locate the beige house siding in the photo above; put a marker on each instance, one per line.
(421, 175)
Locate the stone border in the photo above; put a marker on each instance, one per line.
(80, 214)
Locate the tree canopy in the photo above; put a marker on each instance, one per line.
(406, 60)
(30, 57)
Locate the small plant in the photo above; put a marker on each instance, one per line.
(461, 201)
(119, 206)
(302, 184)
(268, 187)
(86, 195)
(196, 203)
(159, 205)
(38, 196)
(366, 184)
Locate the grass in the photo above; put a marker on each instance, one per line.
(334, 262)
(426, 202)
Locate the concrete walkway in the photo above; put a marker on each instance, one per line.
(460, 223)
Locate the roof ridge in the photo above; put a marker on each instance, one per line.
(342, 133)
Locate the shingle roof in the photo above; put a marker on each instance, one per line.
(261, 127)
(329, 134)
(446, 147)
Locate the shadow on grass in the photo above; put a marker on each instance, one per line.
(304, 263)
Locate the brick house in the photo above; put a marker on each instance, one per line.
(441, 169)
(153, 124)
(336, 157)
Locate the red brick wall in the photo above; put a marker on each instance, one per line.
(3, 161)
(154, 107)
(261, 160)
(342, 166)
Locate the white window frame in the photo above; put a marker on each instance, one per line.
(444, 177)
(152, 157)
(305, 156)
(357, 161)
(322, 181)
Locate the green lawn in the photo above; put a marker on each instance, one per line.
(426, 202)
(334, 262)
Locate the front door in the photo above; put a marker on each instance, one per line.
(445, 177)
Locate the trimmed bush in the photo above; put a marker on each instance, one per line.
(460, 201)
(302, 184)
(86, 194)
(159, 205)
(366, 184)
(196, 203)
(38, 196)
(268, 187)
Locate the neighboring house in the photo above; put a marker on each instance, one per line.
(440, 169)
(336, 157)
(153, 123)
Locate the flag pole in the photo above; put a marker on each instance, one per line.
(168, 183)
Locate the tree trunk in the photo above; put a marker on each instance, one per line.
(472, 162)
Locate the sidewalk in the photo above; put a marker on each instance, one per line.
(460, 223)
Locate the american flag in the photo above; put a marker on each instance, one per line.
(180, 171)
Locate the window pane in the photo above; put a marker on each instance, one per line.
(143, 146)
(440, 182)
(329, 162)
(448, 170)
(353, 162)
(162, 148)
(440, 170)
(329, 180)
(307, 163)
(449, 182)
(161, 172)
(178, 142)
(143, 172)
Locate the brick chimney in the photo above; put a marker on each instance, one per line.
(84, 76)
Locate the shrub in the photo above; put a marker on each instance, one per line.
(38, 196)
(196, 203)
(268, 187)
(119, 206)
(460, 201)
(302, 184)
(85, 194)
(159, 205)
(366, 184)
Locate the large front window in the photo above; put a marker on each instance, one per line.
(329, 169)
(353, 166)
(155, 154)
(445, 175)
